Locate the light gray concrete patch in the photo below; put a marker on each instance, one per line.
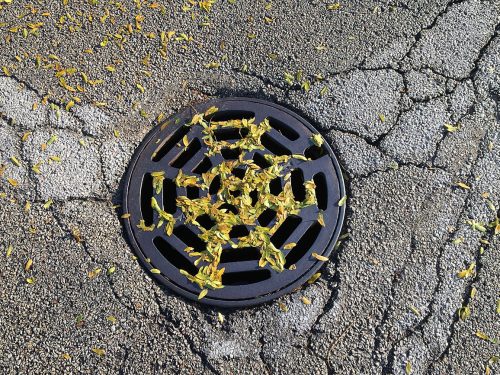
(10, 147)
(375, 290)
(361, 102)
(17, 101)
(115, 155)
(425, 84)
(462, 100)
(96, 122)
(459, 149)
(452, 45)
(77, 175)
(64, 120)
(417, 133)
(356, 155)
(438, 331)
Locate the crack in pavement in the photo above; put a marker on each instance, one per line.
(431, 307)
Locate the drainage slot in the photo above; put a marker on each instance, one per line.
(214, 185)
(230, 115)
(284, 129)
(285, 230)
(244, 278)
(173, 256)
(226, 134)
(204, 166)
(230, 153)
(146, 195)
(169, 196)
(187, 236)
(321, 190)
(238, 231)
(239, 254)
(205, 221)
(314, 152)
(298, 188)
(187, 154)
(275, 186)
(266, 217)
(235, 193)
(274, 146)
(192, 192)
(229, 207)
(255, 197)
(169, 143)
(239, 172)
(303, 245)
(260, 160)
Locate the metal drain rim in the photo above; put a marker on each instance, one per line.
(186, 114)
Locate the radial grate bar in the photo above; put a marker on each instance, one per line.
(229, 201)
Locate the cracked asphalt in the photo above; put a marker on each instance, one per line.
(406, 92)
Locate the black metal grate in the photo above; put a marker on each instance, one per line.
(245, 283)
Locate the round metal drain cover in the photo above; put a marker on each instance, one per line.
(180, 196)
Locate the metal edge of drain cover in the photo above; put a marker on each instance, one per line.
(186, 114)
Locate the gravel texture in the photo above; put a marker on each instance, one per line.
(385, 78)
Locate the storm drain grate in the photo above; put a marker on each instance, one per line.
(239, 210)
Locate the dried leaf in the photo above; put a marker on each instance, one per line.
(473, 292)
(463, 312)
(125, 216)
(314, 277)
(48, 204)
(319, 257)
(185, 141)
(463, 186)
(317, 139)
(408, 368)
(305, 300)
(92, 274)
(476, 225)
(28, 265)
(142, 225)
(482, 335)
(467, 272)
(321, 219)
(212, 65)
(203, 293)
(15, 161)
(283, 307)
(52, 139)
(450, 128)
(100, 352)
(140, 87)
(25, 136)
(289, 246)
(342, 201)
(334, 6)
(220, 317)
(415, 310)
(13, 182)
